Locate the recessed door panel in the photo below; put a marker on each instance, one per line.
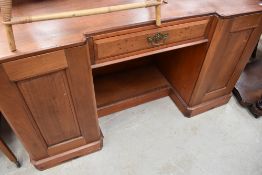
(50, 103)
(231, 56)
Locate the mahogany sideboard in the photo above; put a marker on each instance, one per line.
(67, 73)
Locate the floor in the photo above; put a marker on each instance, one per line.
(156, 139)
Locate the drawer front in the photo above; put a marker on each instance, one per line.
(144, 39)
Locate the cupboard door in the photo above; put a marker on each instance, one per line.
(230, 50)
(58, 95)
(50, 104)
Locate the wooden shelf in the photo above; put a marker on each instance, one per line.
(121, 90)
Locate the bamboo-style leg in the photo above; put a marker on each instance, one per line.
(10, 37)
(8, 153)
(6, 10)
(158, 14)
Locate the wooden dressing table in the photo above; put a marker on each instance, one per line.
(67, 73)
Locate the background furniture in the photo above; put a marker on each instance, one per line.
(6, 150)
(248, 89)
(67, 73)
(9, 154)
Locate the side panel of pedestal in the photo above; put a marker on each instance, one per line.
(212, 69)
(49, 102)
(229, 52)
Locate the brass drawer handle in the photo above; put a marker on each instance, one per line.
(158, 39)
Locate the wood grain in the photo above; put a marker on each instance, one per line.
(191, 111)
(148, 52)
(82, 90)
(68, 155)
(228, 53)
(57, 110)
(127, 43)
(181, 70)
(35, 66)
(113, 88)
(11, 104)
(50, 103)
(230, 57)
(65, 146)
(35, 37)
(246, 22)
(200, 67)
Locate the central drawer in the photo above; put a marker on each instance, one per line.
(124, 43)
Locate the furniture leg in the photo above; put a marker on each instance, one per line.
(259, 104)
(9, 154)
(254, 54)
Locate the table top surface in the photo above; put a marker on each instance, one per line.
(40, 36)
